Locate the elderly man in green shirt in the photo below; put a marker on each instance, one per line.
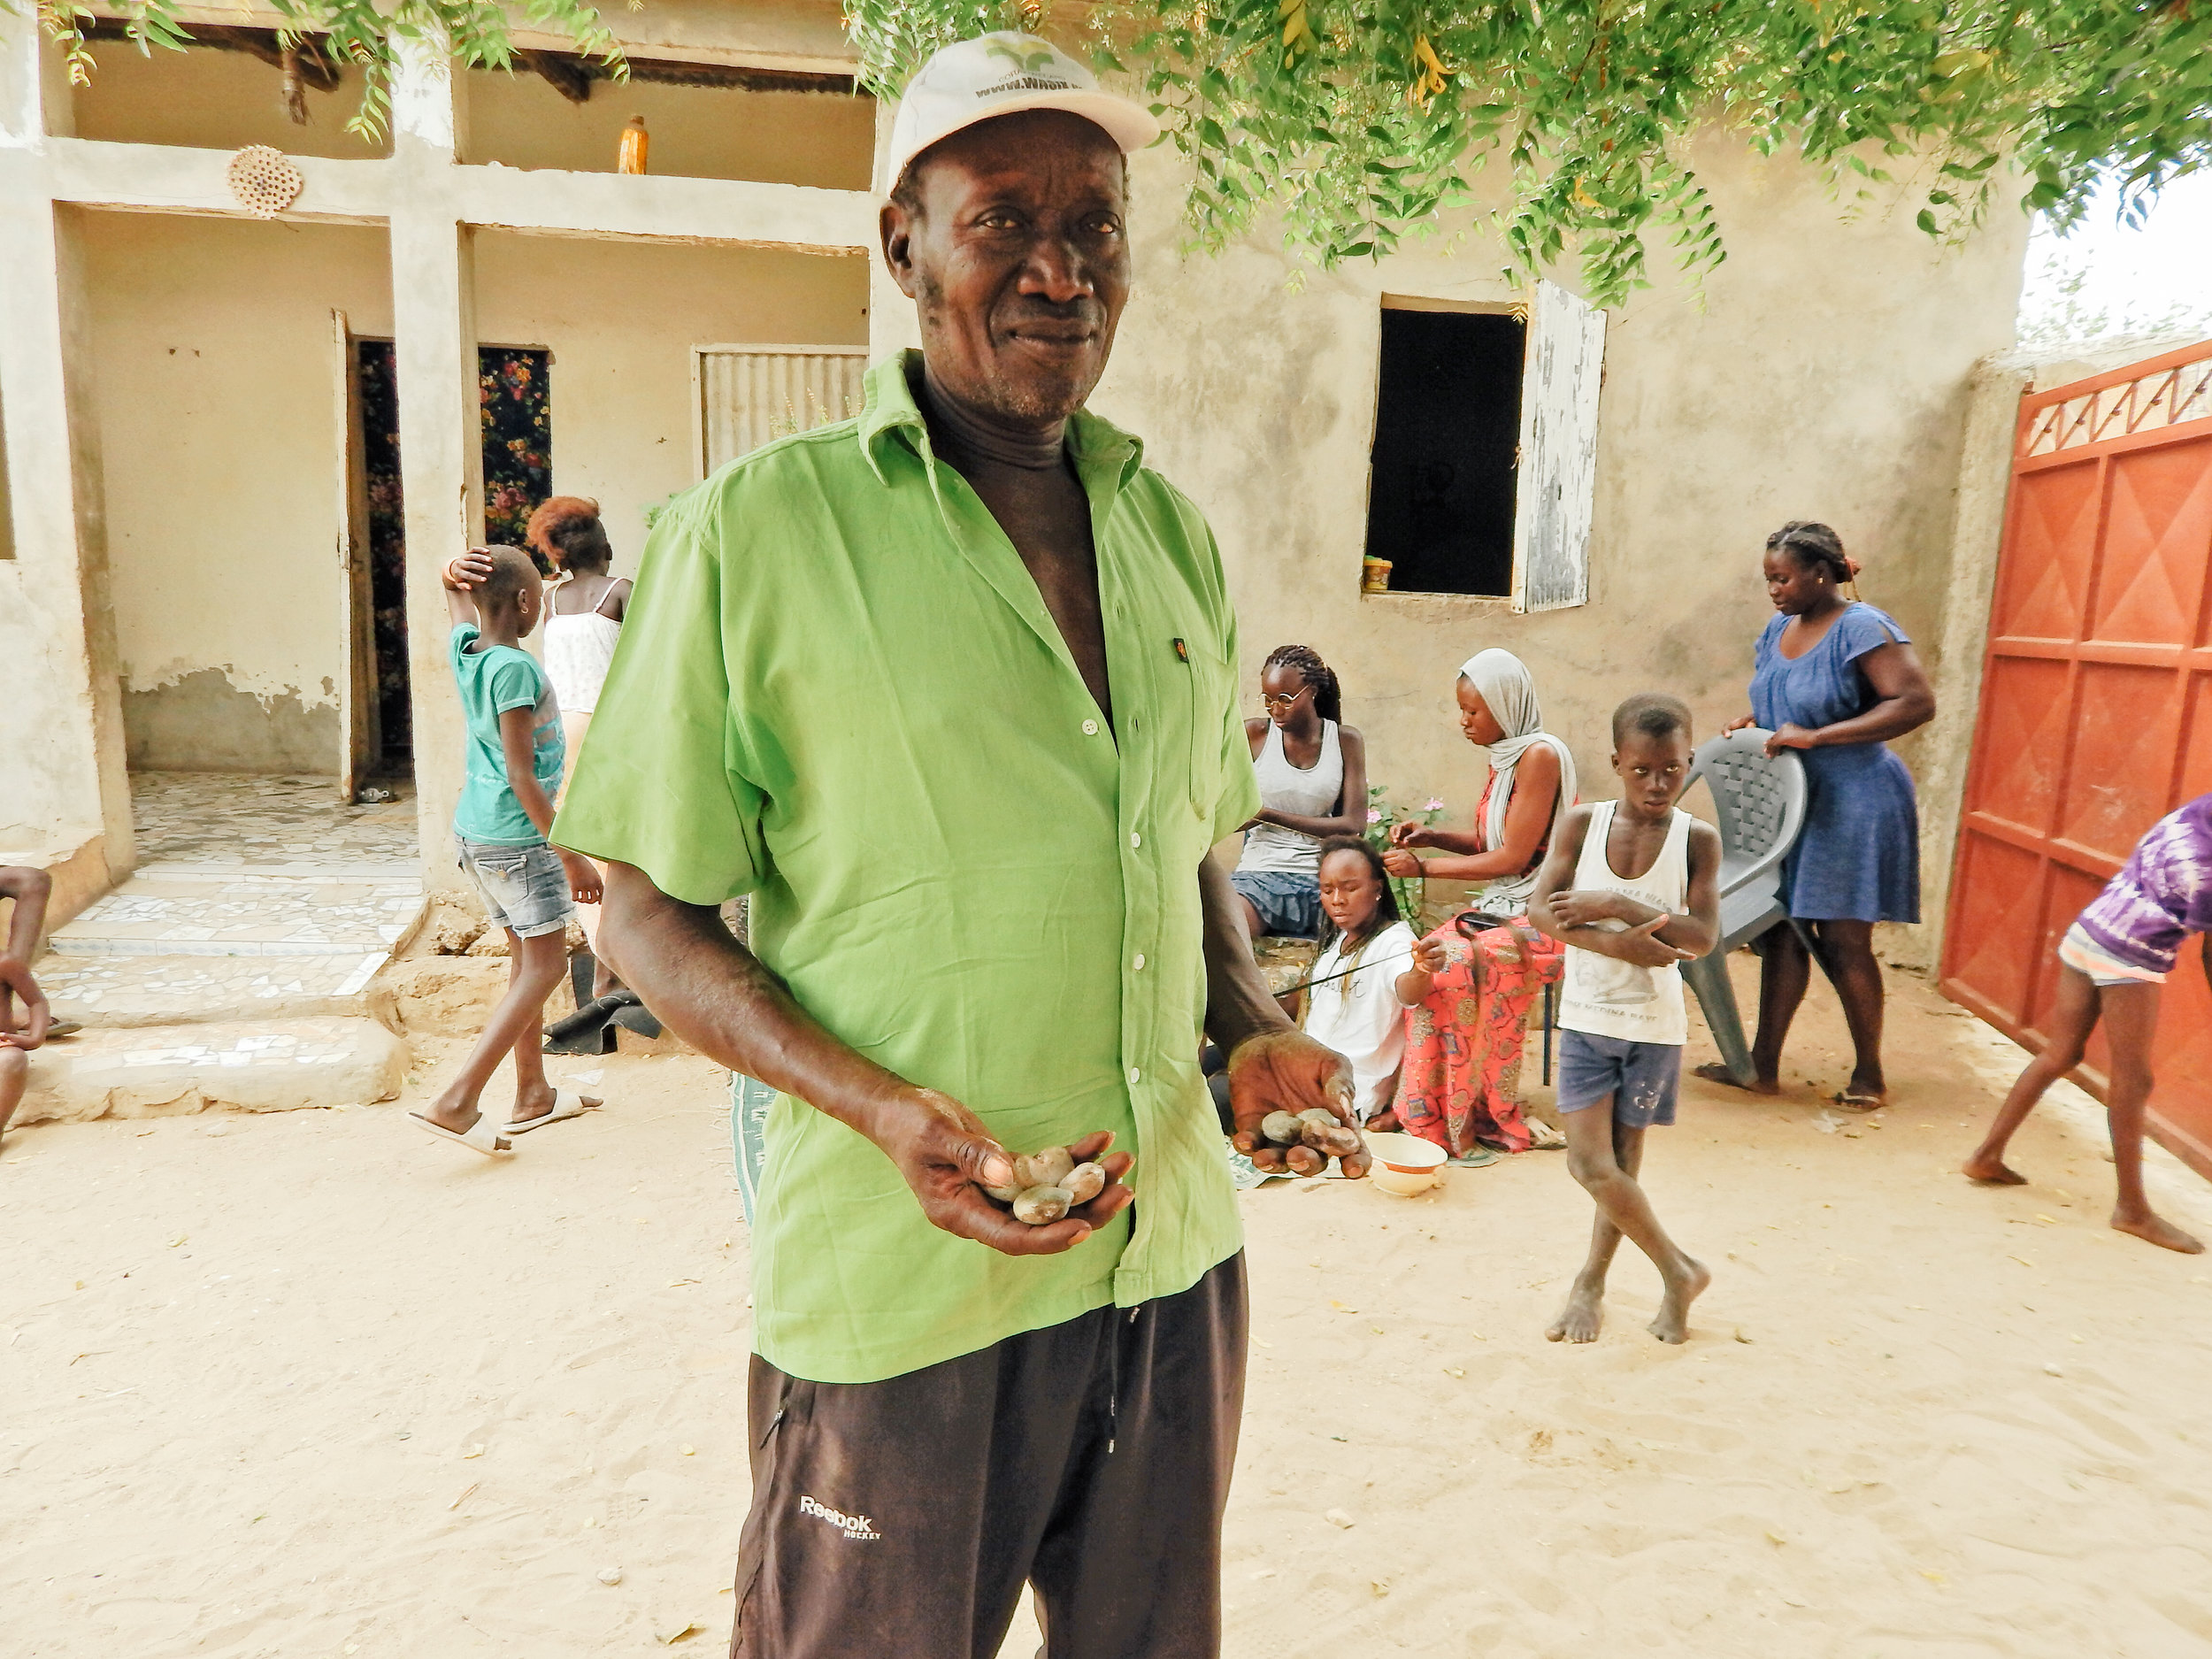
(949, 690)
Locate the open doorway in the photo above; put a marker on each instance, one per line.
(515, 395)
(392, 753)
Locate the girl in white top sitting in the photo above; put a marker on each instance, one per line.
(1312, 773)
(583, 620)
(1367, 974)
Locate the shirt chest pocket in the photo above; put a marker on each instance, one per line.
(1206, 694)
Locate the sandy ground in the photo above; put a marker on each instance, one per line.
(310, 1384)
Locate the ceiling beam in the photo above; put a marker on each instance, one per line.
(571, 77)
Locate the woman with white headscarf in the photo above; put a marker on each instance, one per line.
(1460, 1084)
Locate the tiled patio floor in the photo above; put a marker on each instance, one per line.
(254, 896)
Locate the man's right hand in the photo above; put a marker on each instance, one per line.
(947, 1158)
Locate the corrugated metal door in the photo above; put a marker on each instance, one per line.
(750, 396)
(2096, 710)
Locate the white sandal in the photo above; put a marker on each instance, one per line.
(566, 1104)
(483, 1135)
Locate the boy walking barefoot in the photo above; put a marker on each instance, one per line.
(1630, 889)
(515, 756)
(2111, 964)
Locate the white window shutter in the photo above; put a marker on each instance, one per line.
(1557, 486)
(750, 396)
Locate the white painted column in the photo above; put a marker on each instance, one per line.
(441, 453)
(64, 785)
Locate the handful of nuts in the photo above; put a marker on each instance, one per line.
(1049, 1184)
(1310, 1138)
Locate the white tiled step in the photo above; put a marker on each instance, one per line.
(261, 1065)
(121, 990)
(165, 912)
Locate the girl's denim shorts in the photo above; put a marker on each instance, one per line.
(524, 889)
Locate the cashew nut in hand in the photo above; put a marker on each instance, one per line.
(1042, 1205)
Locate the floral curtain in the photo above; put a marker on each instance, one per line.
(388, 546)
(514, 394)
(514, 391)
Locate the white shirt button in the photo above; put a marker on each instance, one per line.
(1140, 962)
(1135, 840)
(1134, 1074)
(1090, 728)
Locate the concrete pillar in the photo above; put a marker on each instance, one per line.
(441, 453)
(1993, 420)
(64, 792)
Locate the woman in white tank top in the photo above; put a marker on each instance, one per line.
(1312, 773)
(583, 620)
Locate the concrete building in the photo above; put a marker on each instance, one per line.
(186, 581)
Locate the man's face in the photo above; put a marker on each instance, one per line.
(1018, 262)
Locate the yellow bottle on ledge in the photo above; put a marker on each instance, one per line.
(631, 156)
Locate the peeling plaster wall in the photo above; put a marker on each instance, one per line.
(621, 321)
(1828, 375)
(216, 404)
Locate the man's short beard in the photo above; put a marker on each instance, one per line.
(1017, 403)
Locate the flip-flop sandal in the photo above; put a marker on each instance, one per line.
(1543, 1138)
(1846, 1101)
(483, 1135)
(1474, 1158)
(63, 1028)
(564, 1105)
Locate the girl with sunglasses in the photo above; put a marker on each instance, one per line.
(1312, 772)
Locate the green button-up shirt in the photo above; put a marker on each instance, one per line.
(838, 689)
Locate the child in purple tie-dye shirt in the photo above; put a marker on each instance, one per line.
(2111, 964)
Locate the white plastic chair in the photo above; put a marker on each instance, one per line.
(1760, 804)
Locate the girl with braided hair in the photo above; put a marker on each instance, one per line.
(1834, 679)
(1312, 772)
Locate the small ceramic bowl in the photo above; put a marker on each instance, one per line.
(1404, 1165)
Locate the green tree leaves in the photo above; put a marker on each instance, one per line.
(1362, 122)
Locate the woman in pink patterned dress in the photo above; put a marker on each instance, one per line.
(1460, 1081)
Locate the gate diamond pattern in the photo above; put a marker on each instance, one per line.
(2096, 710)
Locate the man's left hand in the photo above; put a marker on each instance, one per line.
(1287, 1072)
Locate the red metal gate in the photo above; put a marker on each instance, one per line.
(2096, 710)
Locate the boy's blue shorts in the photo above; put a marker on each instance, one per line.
(524, 889)
(1641, 1076)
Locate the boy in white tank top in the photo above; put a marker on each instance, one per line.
(1631, 888)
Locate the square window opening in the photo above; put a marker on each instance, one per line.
(1444, 468)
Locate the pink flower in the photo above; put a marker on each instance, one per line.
(1435, 805)
(1373, 817)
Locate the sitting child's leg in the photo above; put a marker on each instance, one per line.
(15, 1073)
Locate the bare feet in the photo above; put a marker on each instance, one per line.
(2158, 1230)
(1714, 1072)
(1990, 1170)
(1671, 1323)
(1578, 1320)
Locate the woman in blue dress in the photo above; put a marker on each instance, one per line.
(1834, 679)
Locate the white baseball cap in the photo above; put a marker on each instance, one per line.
(1004, 74)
